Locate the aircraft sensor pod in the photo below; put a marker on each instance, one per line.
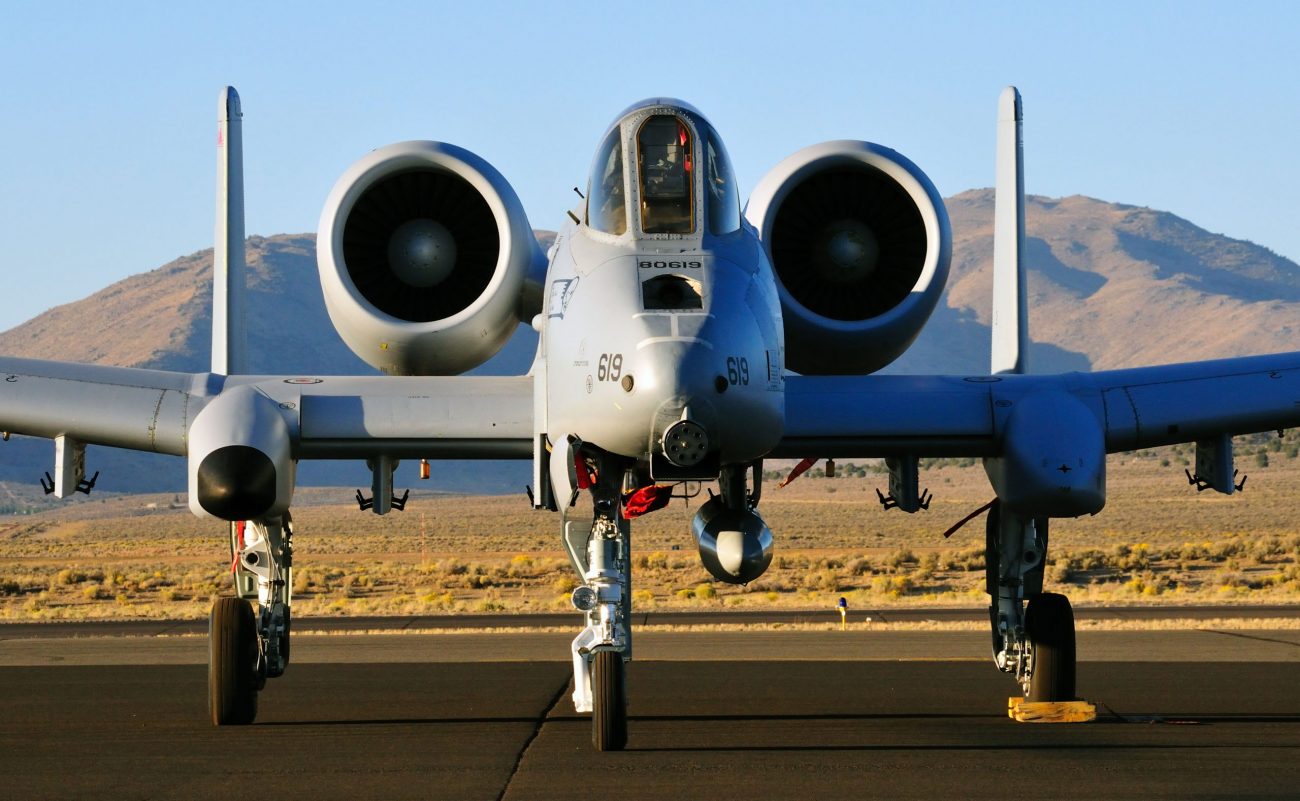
(240, 465)
(427, 260)
(860, 243)
(735, 544)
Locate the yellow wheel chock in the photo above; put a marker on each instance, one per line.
(1022, 711)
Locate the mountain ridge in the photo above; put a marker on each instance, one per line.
(1111, 286)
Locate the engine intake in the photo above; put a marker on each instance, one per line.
(424, 252)
(860, 243)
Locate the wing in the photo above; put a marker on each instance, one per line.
(143, 410)
(459, 417)
(885, 415)
(965, 416)
(447, 417)
(1149, 406)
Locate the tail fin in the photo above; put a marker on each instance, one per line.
(229, 344)
(1010, 308)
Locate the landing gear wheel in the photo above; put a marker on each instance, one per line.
(1049, 625)
(609, 716)
(232, 663)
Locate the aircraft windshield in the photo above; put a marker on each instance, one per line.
(724, 199)
(606, 207)
(667, 180)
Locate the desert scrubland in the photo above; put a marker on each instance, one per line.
(1158, 541)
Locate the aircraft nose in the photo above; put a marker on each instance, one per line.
(706, 390)
(684, 420)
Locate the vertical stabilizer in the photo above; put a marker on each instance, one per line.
(1010, 308)
(229, 344)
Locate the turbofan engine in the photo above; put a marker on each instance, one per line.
(860, 243)
(735, 544)
(426, 259)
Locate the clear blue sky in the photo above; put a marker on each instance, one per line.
(106, 140)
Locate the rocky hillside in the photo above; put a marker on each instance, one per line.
(1112, 286)
(163, 319)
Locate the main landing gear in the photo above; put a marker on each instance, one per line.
(1033, 640)
(244, 648)
(1049, 624)
(233, 679)
(601, 556)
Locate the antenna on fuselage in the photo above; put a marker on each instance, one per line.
(1010, 350)
(229, 342)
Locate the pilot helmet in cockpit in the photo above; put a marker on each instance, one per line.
(664, 162)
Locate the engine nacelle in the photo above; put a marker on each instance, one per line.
(860, 242)
(425, 253)
(735, 546)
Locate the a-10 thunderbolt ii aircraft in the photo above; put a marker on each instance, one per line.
(681, 339)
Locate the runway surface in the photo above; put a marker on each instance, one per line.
(113, 628)
(1184, 714)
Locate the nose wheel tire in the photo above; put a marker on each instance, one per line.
(609, 702)
(1049, 625)
(232, 663)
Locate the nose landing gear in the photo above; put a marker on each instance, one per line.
(609, 691)
(602, 559)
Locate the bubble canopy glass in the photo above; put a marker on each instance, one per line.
(656, 151)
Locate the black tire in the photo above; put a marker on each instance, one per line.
(1049, 624)
(232, 663)
(609, 716)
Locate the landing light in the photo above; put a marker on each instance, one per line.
(584, 598)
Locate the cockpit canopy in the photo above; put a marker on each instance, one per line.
(652, 155)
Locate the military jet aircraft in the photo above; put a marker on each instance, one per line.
(682, 339)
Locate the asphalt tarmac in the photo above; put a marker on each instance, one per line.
(115, 628)
(1184, 714)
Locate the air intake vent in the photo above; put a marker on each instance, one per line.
(849, 243)
(439, 202)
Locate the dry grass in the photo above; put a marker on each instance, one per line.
(1157, 541)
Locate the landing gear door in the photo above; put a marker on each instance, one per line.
(544, 497)
(562, 472)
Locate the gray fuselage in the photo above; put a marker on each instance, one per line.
(640, 331)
